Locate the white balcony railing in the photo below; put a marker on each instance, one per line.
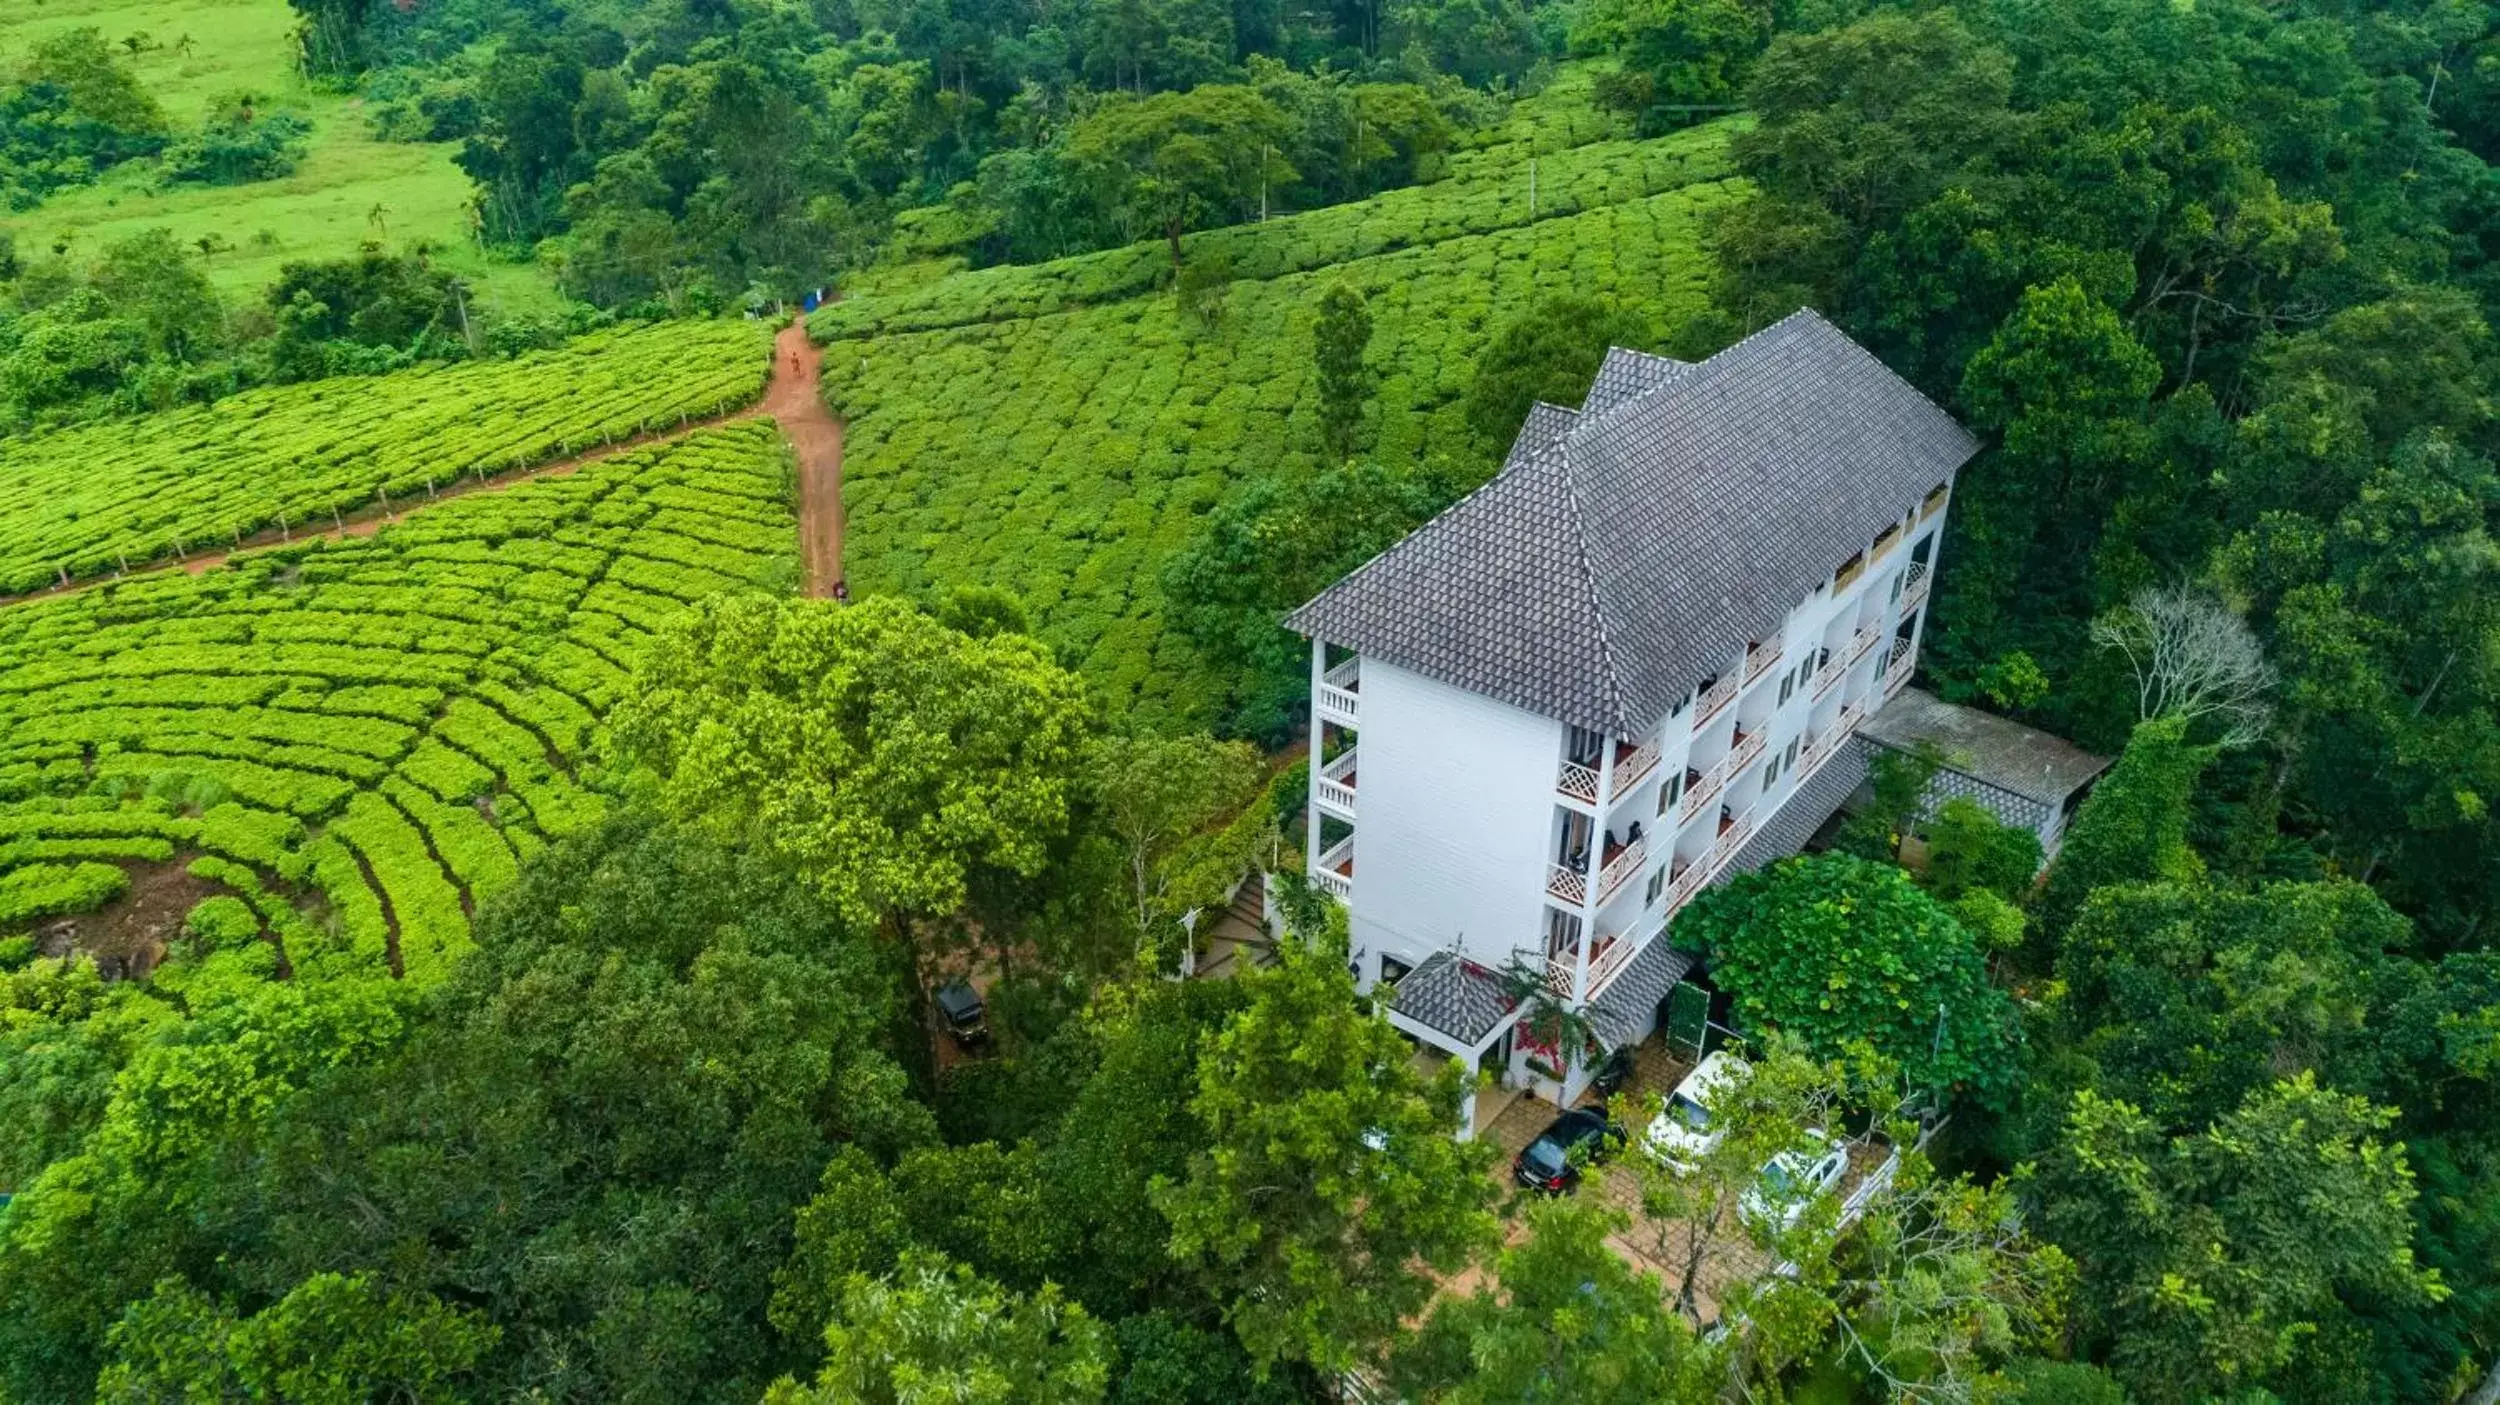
(1687, 883)
(1577, 781)
(1622, 868)
(1847, 720)
(1335, 874)
(1699, 792)
(1761, 661)
(1629, 770)
(1914, 586)
(1568, 884)
(1340, 693)
(1837, 666)
(1723, 848)
(1899, 672)
(1336, 784)
(1746, 749)
(1612, 955)
(1713, 698)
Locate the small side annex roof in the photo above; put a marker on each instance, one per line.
(1624, 551)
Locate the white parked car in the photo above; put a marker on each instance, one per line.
(1681, 1134)
(1792, 1181)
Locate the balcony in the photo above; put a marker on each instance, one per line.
(1837, 667)
(1848, 573)
(1934, 503)
(1759, 661)
(1899, 671)
(1336, 784)
(1623, 864)
(1606, 961)
(1699, 786)
(1577, 781)
(1335, 874)
(1914, 586)
(1748, 745)
(1713, 698)
(1341, 693)
(1567, 885)
(1633, 765)
(1690, 874)
(1733, 831)
(1885, 541)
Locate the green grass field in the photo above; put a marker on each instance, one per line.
(1059, 431)
(349, 188)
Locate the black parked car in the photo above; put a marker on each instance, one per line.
(966, 1018)
(1552, 1162)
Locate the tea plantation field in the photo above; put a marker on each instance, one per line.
(360, 738)
(1059, 430)
(89, 500)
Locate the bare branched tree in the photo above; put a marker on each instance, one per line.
(2193, 658)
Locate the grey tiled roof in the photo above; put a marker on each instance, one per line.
(1626, 375)
(1625, 1008)
(1458, 998)
(1544, 425)
(1788, 829)
(2004, 753)
(1600, 576)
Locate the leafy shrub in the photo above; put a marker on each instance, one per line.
(239, 142)
(52, 890)
(221, 922)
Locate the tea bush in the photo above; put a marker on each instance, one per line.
(87, 500)
(1065, 456)
(385, 723)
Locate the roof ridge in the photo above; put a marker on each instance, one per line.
(1607, 670)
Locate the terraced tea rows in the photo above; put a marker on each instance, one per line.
(1065, 457)
(391, 722)
(1492, 189)
(93, 499)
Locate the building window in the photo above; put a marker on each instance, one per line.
(1587, 746)
(1657, 885)
(1792, 751)
(1392, 970)
(1788, 685)
(1671, 791)
(1771, 773)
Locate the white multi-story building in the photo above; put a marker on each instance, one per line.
(1627, 666)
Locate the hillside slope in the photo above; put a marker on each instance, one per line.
(1058, 430)
(351, 187)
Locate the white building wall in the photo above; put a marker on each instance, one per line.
(1456, 803)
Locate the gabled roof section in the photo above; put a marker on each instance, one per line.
(1602, 573)
(1544, 425)
(1627, 375)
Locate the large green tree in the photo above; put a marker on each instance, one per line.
(1571, 1321)
(1835, 950)
(1331, 1190)
(887, 760)
(1179, 161)
(934, 1331)
(2212, 1260)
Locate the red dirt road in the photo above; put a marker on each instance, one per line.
(796, 402)
(792, 398)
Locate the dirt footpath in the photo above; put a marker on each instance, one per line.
(796, 402)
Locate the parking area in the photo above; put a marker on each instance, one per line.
(1647, 1243)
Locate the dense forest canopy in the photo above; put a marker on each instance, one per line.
(2209, 1112)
